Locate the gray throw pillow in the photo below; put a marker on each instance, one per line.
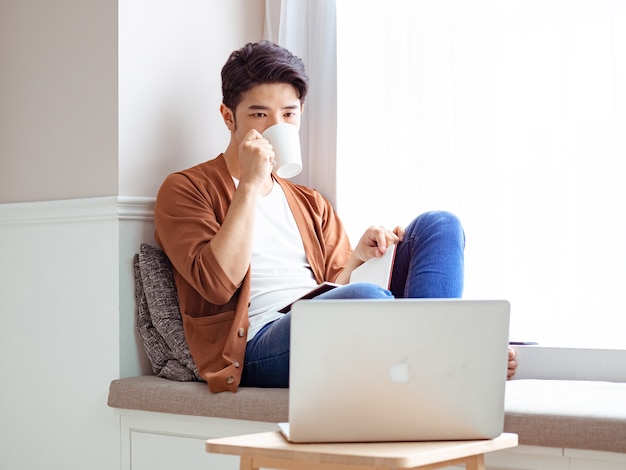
(159, 321)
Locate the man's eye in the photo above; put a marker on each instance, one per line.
(259, 115)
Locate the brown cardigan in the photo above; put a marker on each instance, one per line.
(190, 208)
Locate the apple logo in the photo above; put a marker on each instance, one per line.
(399, 373)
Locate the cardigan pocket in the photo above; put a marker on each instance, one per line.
(209, 333)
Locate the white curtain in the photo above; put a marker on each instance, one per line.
(512, 114)
(307, 29)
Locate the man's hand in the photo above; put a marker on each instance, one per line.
(372, 244)
(256, 158)
(375, 241)
(512, 363)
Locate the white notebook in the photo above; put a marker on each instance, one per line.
(375, 270)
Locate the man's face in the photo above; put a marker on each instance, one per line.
(266, 105)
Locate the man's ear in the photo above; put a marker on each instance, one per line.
(229, 117)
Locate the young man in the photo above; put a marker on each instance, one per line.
(245, 242)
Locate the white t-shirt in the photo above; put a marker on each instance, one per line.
(280, 272)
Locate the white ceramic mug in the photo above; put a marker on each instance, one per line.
(285, 140)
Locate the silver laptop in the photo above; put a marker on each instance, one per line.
(397, 370)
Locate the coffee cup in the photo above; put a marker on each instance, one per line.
(285, 140)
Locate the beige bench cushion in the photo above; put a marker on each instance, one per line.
(567, 413)
(151, 393)
(548, 413)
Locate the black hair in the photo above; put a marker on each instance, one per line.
(259, 63)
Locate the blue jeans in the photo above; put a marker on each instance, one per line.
(428, 264)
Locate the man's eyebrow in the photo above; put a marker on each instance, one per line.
(257, 107)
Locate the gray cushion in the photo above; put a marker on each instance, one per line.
(149, 393)
(567, 413)
(159, 321)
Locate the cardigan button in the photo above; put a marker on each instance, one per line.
(230, 379)
(236, 364)
(241, 332)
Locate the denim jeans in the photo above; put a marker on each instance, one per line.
(428, 264)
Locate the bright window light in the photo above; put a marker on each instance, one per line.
(513, 116)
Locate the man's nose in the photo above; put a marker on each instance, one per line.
(277, 119)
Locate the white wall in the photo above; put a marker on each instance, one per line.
(74, 206)
(171, 55)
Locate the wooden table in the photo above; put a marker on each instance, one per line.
(271, 450)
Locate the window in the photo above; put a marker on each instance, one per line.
(513, 116)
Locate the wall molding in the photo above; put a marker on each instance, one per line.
(78, 210)
(135, 208)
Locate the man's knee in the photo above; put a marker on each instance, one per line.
(439, 217)
(436, 221)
